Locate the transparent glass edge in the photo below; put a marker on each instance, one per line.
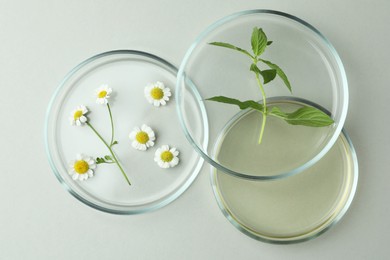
(156, 206)
(345, 94)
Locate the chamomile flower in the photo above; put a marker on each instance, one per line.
(78, 117)
(157, 94)
(82, 168)
(166, 157)
(103, 94)
(142, 138)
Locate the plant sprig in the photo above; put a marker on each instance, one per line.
(306, 115)
(109, 159)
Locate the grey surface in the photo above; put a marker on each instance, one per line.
(40, 41)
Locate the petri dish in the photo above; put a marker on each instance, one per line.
(127, 72)
(314, 70)
(293, 209)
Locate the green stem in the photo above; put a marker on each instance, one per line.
(112, 124)
(264, 112)
(111, 151)
(262, 127)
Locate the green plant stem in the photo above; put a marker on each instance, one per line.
(112, 124)
(111, 151)
(262, 127)
(264, 107)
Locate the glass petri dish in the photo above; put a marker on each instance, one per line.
(127, 72)
(293, 209)
(315, 72)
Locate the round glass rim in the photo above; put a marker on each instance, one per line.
(181, 75)
(339, 216)
(56, 172)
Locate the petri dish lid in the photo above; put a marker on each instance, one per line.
(293, 209)
(311, 63)
(127, 72)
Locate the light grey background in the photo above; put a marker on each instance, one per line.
(40, 41)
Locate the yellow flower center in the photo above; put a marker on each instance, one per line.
(166, 156)
(77, 114)
(142, 137)
(81, 166)
(102, 94)
(157, 93)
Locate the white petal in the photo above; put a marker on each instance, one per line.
(164, 148)
(83, 119)
(174, 161)
(150, 100)
(135, 144)
(75, 176)
(160, 163)
(132, 135)
(159, 84)
(158, 152)
(162, 101)
(165, 165)
(83, 109)
(150, 132)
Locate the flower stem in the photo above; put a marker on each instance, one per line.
(111, 151)
(112, 124)
(264, 112)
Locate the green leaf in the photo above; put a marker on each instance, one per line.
(258, 41)
(231, 46)
(279, 71)
(269, 43)
(114, 143)
(277, 112)
(255, 69)
(241, 104)
(108, 158)
(99, 160)
(309, 116)
(268, 75)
